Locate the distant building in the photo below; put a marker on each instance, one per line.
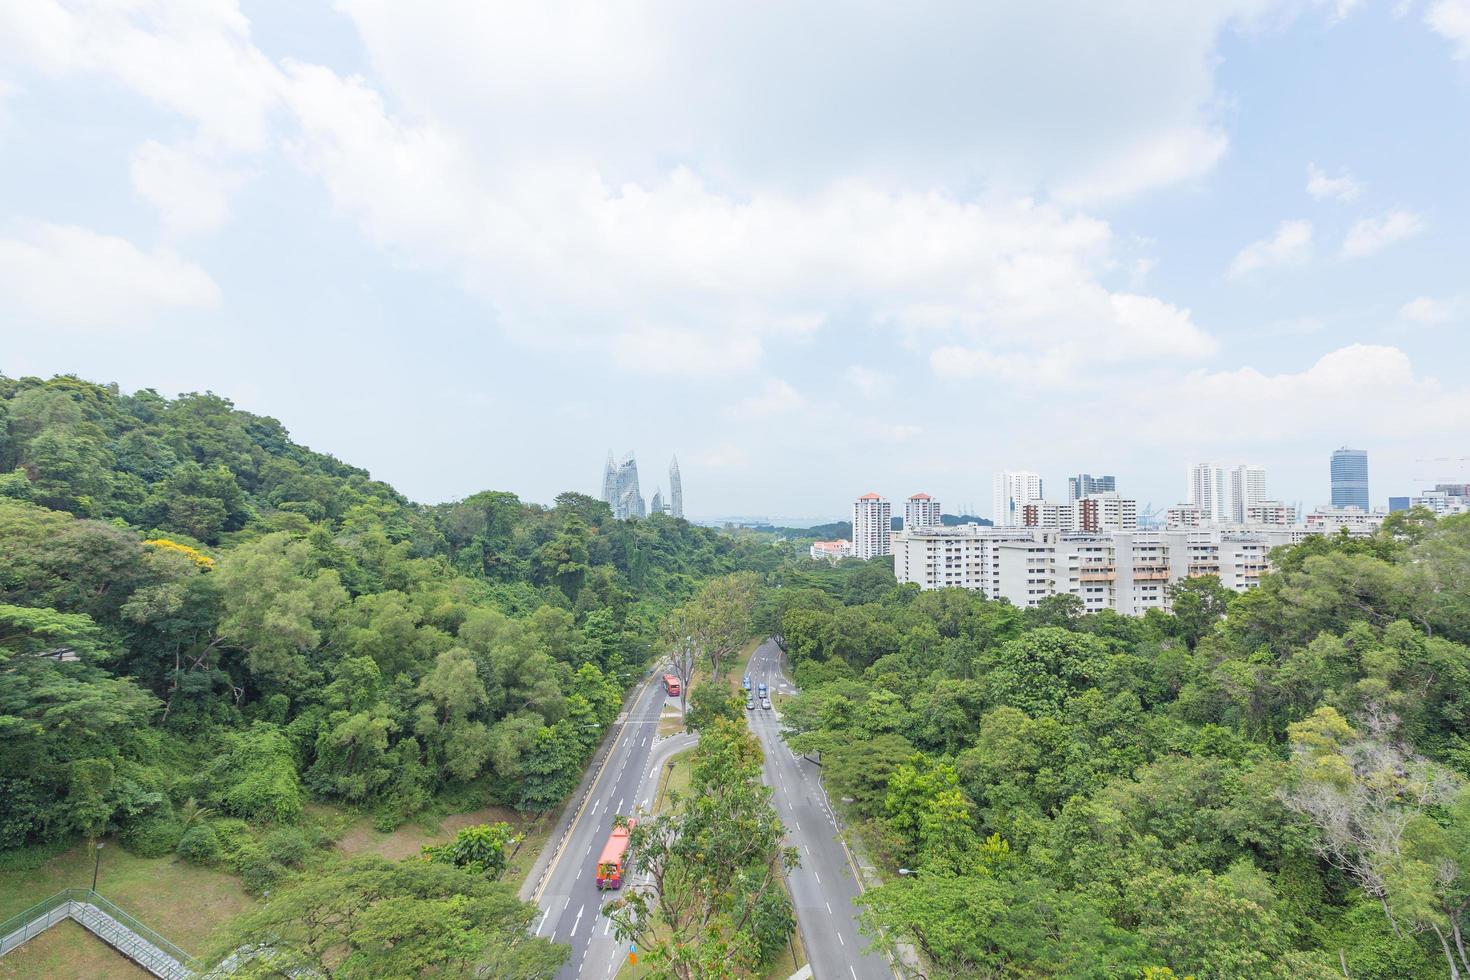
(656, 505)
(1106, 511)
(872, 527)
(1126, 571)
(1270, 513)
(1205, 489)
(1094, 513)
(1350, 478)
(1442, 502)
(1357, 521)
(1086, 485)
(921, 510)
(1184, 515)
(1247, 488)
(620, 488)
(1396, 504)
(833, 551)
(676, 489)
(1012, 490)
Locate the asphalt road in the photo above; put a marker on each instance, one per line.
(571, 905)
(824, 887)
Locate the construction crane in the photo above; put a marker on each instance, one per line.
(1149, 516)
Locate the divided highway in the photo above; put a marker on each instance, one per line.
(824, 887)
(571, 905)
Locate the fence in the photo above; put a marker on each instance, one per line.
(109, 923)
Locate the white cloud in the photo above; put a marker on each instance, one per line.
(1167, 158)
(867, 381)
(1369, 236)
(1428, 311)
(1340, 188)
(191, 192)
(73, 276)
(1099, 103)
(1366, 390)
(192, 57)
(1290, 246)
(776, 398)
(1450, 19)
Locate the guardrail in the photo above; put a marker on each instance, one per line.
(110, 923)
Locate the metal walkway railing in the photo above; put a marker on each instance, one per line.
(109, 923)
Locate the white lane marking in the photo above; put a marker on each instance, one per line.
(588, 851)
(566, 903)
(544, 914)
(841, 940)
(829, 907)
(854, 971)
(579, 919)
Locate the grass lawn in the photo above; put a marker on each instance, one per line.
(674, 774)
(66, 951)
(183, 902)
(406, 841)
(670, 722)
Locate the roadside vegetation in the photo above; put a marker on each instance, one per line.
(1270, 784)
(224, 653)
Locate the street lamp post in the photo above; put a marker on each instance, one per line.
(96, 865)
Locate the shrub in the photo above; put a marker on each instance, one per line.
(200, 845)
(32, 857)
(233, 834)
(152, 837)
(286, 846)
(260, 873)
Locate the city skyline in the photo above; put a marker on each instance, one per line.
(1185, 250)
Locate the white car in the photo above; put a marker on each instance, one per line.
(766, 703)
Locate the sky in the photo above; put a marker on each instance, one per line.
(814, 249)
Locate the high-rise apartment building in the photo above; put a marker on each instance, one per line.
(1127, 571)
(1270, 513)
(1013, 489)
(1350, 478)
(1094, 513)
(1206, 488)
(921, 510)
(872, 527)
(1247, 488)
(1185, 515)
(676, 489)
(1085, 485)
(620, 488)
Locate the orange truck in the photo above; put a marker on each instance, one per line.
(671, 685)
(614, 855)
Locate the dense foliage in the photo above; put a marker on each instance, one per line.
(1267, 784)
(195, 608)
(706, 901)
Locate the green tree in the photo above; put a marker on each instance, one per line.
(479, 849)
(715, 906)
(373, 919)
(711, 702)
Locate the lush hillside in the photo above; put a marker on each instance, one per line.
(1264, 785)
(194, 607)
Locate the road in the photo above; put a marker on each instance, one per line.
(571, 905)
(824, 887)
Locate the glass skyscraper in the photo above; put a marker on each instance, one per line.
(1350, 478)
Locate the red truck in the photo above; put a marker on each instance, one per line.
(614, 853)
(671, 685)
